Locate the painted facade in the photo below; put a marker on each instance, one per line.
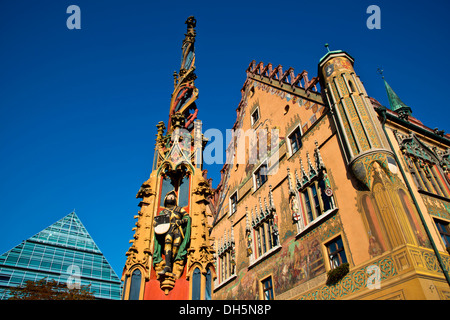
(326, 194)
(349, 185)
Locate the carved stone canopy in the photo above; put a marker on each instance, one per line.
(410, 144)
(175, 174)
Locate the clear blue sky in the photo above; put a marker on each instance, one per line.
(78, 108)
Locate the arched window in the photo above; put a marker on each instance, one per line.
(135, 285)
(183, 193)
(352, 88)
(196, 284)
(208, 285)
(166, 186)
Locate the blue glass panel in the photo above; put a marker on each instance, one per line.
(196, 284)
(166, 187)
(135, 285)
(183, 192)
(208, 285)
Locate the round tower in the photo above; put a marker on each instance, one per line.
(359, 130)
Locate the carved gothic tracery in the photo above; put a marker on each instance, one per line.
(171, 239)
(311, 193)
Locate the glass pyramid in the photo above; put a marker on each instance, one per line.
(62, 250)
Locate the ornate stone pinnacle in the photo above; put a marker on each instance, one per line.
(161, 127)
(289, 179)
(178, 120)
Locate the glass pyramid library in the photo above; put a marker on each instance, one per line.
(63, 251)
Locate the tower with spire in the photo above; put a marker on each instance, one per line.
(373, 160)
(359, 193)
(358, 127)
(171, 254)
(395, 102)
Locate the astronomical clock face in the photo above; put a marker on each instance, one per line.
(329, 70)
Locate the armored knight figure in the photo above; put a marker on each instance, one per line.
(173, 224)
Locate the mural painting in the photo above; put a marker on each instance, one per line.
(301, 259)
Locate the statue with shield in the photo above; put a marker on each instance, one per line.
(172, 234)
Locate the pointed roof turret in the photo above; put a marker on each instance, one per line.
(333, 53)
(395, 102)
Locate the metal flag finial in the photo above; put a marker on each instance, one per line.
(380, 72)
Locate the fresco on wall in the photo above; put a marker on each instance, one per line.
(301, 262)
(389, 215)
(437, 207)
(298, 261)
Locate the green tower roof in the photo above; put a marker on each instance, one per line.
(334, 52)
(328, 53)
(395, 103)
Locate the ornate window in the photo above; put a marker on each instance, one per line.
(208, 285)
(262, 232)
(426, 176)
(196, 284)
(226, 257)
(311, 196)
(201, 283)
(135, 285)
(428, 166)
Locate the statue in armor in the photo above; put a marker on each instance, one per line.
(172, 226)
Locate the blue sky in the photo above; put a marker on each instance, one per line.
(78, 108)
